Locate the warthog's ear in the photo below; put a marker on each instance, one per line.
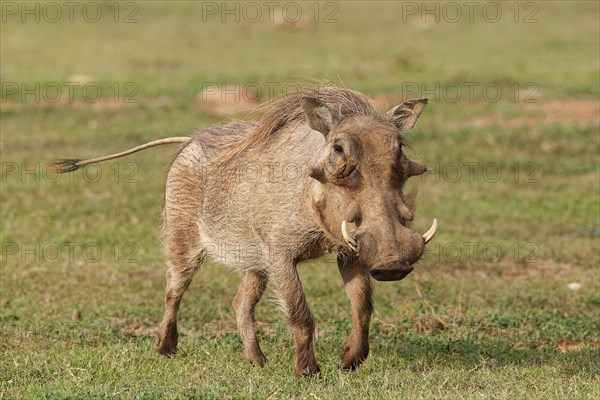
(318, 116)
(405, 115)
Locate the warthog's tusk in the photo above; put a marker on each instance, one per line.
(431, 232)
(351, 240)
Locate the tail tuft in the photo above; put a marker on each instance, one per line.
(64, 165)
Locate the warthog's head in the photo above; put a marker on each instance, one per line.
(361, 174)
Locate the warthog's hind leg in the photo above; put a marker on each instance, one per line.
(358, 288)
(249, 293)
(184, 250)
(178, 280)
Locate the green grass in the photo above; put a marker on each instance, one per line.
(466, 324)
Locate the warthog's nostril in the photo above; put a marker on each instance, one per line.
(391, 272)
(377, 275)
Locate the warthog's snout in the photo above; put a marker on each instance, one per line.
(391, 272)
(408, 249)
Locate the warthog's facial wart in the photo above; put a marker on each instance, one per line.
(363, 170)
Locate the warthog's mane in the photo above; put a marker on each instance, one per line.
(286, 112)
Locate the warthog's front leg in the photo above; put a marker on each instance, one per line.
(358, 287)
(249, 293)
(298, 316)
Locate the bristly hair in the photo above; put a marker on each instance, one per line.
(287, 111)
(64, 165)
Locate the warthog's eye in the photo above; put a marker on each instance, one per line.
(340, 167)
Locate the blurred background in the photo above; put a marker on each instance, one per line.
(504, 303)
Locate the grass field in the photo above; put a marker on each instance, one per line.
(504, 304)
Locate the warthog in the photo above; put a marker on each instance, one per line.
(349, 200)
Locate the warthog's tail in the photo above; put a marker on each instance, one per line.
(68, 165)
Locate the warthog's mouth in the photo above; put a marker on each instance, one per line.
(391, 272)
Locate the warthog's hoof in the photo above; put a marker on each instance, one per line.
(167, 344)
(309, 371)
(354, 355)
(167, 350)
(256, 357)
